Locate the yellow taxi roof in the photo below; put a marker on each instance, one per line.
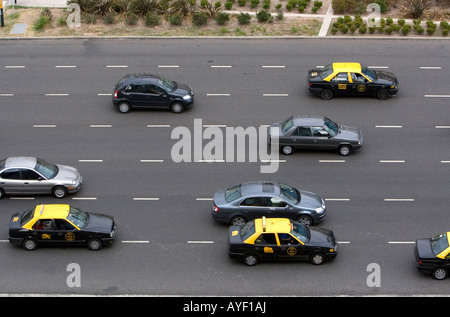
(346, 67)
(54, 211)
(273, 225)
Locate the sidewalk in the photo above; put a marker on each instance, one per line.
(39, 3)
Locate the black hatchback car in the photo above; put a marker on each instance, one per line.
(151, 91)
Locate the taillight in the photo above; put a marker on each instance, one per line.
(216, 209)
(115, 94)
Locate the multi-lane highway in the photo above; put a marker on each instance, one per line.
(55, 103)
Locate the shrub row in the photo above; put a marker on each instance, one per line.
(348, 24)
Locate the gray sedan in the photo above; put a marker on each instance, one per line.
(30, 175)
(316, 132)
(241, 203)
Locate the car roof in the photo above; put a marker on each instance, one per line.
(273, 225)
(48, 211)
(258, 188)
(140, 77)
(20, 161)
(347, 67)
(309, 120)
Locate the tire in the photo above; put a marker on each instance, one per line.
(59, 192)
(383, 94)
(317, 258)
(304, 220)
(177, 107)
(326, 94)
(251, 259)
(2, 193)
(94, 244)
(287, 150)
(29, 244)
(238, 221)
(344, 150)
(439, 273)
(124, 107)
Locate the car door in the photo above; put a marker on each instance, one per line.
(321, 138)
(10, 181)
(267, 247)
(44, 231)
(67, 233)
(255, 207)
(135, 94)
(301, 138)
(291, 248)
(340, 84)
(34, 183)
(156, 96)
(280, 208)
(359, 85)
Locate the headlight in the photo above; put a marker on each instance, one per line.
(319, 210)
(187, 97)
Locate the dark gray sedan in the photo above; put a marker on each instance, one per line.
(29, 175)
(316, 132)
(241, 203)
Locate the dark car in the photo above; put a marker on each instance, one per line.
(351, 79)
(241, 203)
(433, 255)
(280, 239)
(61, 225)
(315, 132)
(151, 91)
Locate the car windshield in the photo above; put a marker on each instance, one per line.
(78, 217)
(300, 232)
(168, 84)
(286, 125)
(233, 193)
(326, 71)
(247, 230)
(331, 127)
(439, 243)
(27, 216)
(290, 194)
(48, 170)
(369, 74)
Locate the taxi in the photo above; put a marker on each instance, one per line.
(433, 255)
(351, 79)
(57, 224)
(280, 239)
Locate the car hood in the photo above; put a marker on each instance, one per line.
(67, 174)
(385, 77)
(182, 90)
(100, 223)
(347, 133)
(309, 200)
(322, 237)
(423, 247)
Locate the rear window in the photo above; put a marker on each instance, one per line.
(27, 216)
(233, 193)
(326, 71)
(247, 230)
(2, 164)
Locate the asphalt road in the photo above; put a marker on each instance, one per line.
(55, 103)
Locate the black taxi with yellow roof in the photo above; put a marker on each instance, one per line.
(60, 224)
(280, 239)
(351, 79)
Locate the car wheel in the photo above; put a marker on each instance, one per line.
(440, 273)
(304, 220)
(2, 193)
(124, 107)
(317, 258)
(251, 259)
(176, 107)
(287, 149)
(344, 150)
(238, 221)
(383, 94)
(59, 192)
(29, 244)
(326, 94)
(94, 244)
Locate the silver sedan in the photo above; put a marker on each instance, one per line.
(29, 175)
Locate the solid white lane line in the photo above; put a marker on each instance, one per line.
(145, 198)
(442, 127)
(56, 95)
(90, 161)
(104, 94)
(116, 66)
(331, 161)
(221, 66)
(392, 161)
(100, 126)
(389, 126)
(337, 199)
(168, 66)
(211, 161)
(275, 95)
(218, 94)
(401, 242)
(200, 242)
(84, 198)
(214, 125)
(15, 66)
(430, 67)
(273, 66)
(65, 66)
(44, 125)
(22, 198)
(6, 95)
(378, 67)
(445, 162)
(151, 161)
(399, 199)
(204, 199)
(158, 125)
(437, 96)
(135, 241)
